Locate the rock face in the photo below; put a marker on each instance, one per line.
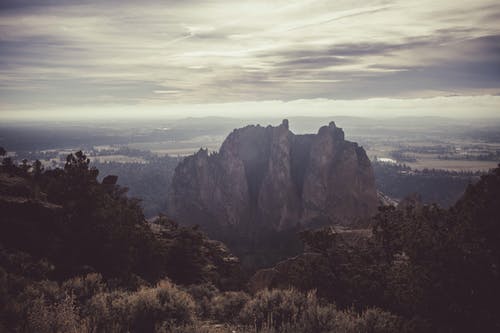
(272, 176)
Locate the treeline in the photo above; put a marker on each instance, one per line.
(433, 149)
(485, 156)
(402, 156)
(433, 185)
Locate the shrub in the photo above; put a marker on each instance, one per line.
(376, 320)
(227, 306)
(371, 320)
(177, 305)
(318, 317)
(203, 295)
(273, 308)
(61, 316)
(84, 287)
(273, 311)
(106, 312)
(142, 311)
(204, 328)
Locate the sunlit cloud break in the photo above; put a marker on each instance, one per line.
(172, 55)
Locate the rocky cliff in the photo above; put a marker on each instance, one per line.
(272, 176)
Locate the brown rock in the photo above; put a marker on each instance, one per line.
(270, 175)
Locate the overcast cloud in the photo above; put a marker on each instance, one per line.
(167, 55)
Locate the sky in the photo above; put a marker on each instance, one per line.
(90, 59)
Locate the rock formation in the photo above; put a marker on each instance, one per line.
(272, 176)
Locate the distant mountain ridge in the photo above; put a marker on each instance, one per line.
(272, 176)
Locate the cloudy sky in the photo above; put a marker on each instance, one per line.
(242, 58)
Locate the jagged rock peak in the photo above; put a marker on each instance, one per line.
(271, 176)
(284, 123)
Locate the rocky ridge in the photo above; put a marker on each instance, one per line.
(272, 176)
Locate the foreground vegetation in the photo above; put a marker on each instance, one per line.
(77, 255)
(88, 304)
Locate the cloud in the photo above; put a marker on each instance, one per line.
(447, 106)
(56, 53)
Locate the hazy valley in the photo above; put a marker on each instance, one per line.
(146, 152)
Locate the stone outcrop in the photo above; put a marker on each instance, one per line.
(291, 272)
(385, 200)
(272, 176)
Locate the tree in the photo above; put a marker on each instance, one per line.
(77, 166)
(37, 169)
(444, 265)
